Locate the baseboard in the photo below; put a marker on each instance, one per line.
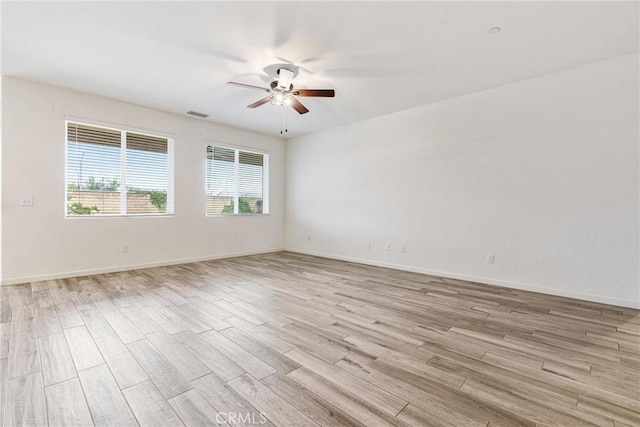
(470, 278)
(478, 279)
(78, 273)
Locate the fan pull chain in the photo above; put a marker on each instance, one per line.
(284, 118)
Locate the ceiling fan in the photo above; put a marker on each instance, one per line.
(282, 93)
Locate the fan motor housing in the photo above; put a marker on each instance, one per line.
(275, 87)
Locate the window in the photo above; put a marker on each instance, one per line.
(117, 172)
(236, 181)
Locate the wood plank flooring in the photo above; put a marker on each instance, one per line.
(293, 340)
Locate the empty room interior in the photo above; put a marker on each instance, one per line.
(320, 213)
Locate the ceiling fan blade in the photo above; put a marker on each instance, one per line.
(297, 105)
(248, 86)
(328, 93)
(261, 102)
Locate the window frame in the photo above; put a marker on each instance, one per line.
(123, 166)
(265, 178)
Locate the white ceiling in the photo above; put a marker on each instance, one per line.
(380, 57)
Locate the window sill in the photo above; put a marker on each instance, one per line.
(120, 216)
(233, 215)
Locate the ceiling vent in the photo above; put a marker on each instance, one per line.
(195, 113)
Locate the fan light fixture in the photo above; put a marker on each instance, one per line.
(281, 99)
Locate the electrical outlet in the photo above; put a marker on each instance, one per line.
(387, 247)
(26, 201)
(491, 259)
(369, 245)
(124, 249)
(403, 250)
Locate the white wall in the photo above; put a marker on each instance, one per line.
(39, 243)
(543, 173)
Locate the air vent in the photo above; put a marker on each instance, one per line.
(195, 113)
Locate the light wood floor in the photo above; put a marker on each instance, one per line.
(286, 339)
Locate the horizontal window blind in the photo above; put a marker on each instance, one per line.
(77, 132)
(94, 174)
(147, 174)
(235, 181)
(98, 184)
